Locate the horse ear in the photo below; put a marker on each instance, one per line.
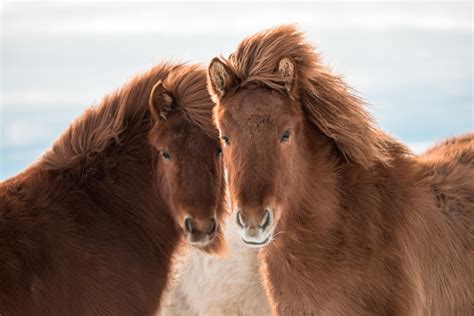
(220, 78)
(160, 102)
(286, 68)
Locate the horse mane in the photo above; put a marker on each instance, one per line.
(123, 119)
(188, 87)
(328, 102)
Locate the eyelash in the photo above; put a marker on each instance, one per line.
(166, 155)
(226, 140)
(285, 136)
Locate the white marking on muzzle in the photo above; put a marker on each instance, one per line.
(255, 236)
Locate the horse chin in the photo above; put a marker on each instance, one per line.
(216, 247)
(199, 244)
(256, 244)
(261, 239)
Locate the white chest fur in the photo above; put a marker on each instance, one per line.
(211, 285)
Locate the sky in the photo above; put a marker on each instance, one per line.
(411, 61)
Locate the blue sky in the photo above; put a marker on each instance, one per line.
(411, 61)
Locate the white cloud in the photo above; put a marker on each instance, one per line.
(230, 18)
(24, 132)
(420, 147)
(38, 97)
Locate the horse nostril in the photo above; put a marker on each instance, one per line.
(213, 226)
(187, 225)
(266, 219)
(239, 220)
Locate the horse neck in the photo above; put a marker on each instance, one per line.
(336, 200)
(311, 204)
(135, 187)
(114, 167)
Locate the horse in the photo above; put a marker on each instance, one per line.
(203, 284)
(217, 285)
(347, 219)
(190, 174)
(92, 226)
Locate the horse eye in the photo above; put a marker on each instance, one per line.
(166, 155)
(285, 136)
(225, 139)
(219, 152)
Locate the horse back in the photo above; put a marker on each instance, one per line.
(447, 171)
(449, 168)
(63, 254)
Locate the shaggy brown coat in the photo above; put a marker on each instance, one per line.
(85, 230)
(361, 226)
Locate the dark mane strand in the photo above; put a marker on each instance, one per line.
(189, 88)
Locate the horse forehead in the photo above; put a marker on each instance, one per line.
(193, 138)
(188, 137)
(256, 108)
